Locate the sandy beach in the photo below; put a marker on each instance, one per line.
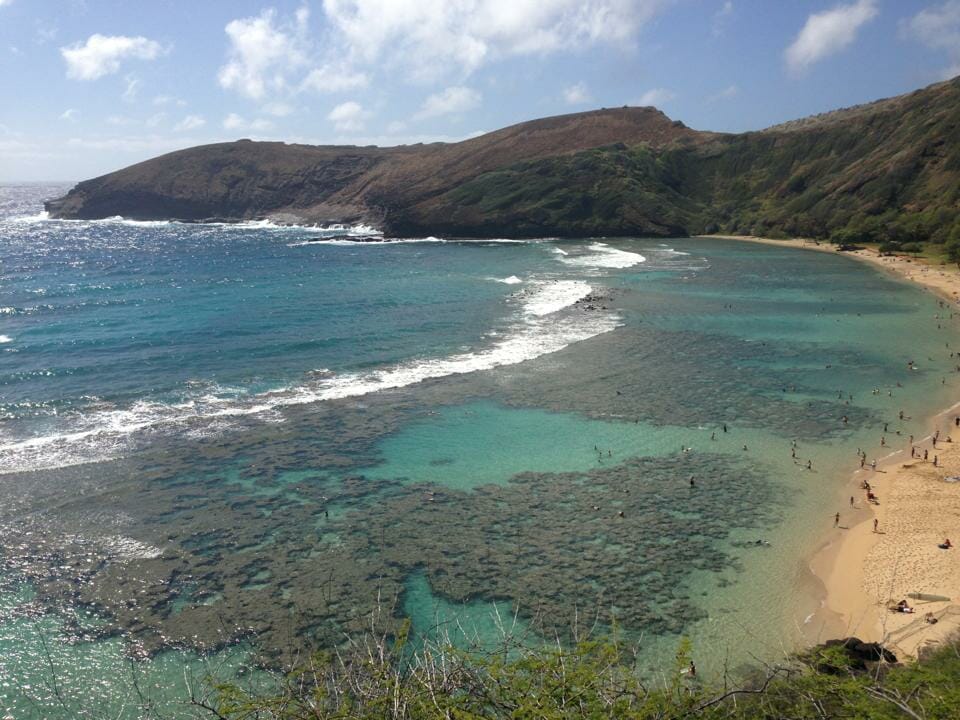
(861, 572)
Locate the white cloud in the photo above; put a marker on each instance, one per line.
(236, 122)
(46, 33)
(5, 2)
(190, 122)
(233, 122)
(828, 32)
(278, 109)
(119, 120)
(731, 91)
(656, 97)
(721, 16)
(348, 117)
(329, 79)
(169, 100)
(455, 99)
(142, 145)
(576, 94)
(69, 114)
(275, 57)
(132, 89)
(263, 53)
(102, 54)
(156, 119)
(428, 40)
(938, 27)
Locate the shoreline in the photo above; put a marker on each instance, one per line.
(855, 573)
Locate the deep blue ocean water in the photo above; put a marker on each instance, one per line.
(270, 427)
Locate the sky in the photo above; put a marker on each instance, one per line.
(90, 86)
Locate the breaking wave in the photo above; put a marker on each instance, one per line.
(539, 327)
(601, 255)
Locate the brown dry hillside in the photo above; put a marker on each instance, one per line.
(303, 183)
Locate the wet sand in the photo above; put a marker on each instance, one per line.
(860, 573)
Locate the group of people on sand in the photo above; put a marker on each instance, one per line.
(904, 607)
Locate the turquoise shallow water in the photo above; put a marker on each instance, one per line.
(240, 438)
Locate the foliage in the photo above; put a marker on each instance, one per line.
(888, 173)
(375, 678)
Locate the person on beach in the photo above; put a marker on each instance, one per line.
(876, 523)
(836, 518)
(926, 454)
(851, 501)
(945, 545)
(809, 464)
(936, 461)
(903, 607)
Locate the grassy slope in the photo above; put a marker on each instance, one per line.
(893, 167)
(595, 680)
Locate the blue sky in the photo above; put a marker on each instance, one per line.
(93, 85)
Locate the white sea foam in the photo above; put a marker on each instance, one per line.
(550, 297)
(504, 241)
(105, 433)
(5, 339)
(367, 243)
(120, 220)
(512, 280)
(120, 547)
(602, 255)
(558, 251)
(265, 224)
(30, 219)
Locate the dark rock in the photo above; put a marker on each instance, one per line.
(860, 653)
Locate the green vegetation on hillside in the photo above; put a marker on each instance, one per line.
(888, 173)
(372, 679)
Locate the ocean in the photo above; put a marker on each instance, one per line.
(224, 443)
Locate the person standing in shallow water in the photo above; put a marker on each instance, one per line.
(836, 519)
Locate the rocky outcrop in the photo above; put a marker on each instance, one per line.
(859, 655)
